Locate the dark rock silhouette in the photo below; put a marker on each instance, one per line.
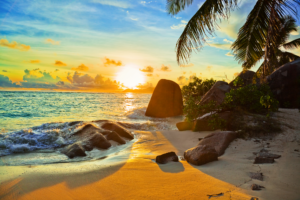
(166, 100)
(285, 84)
(167, 157)
(99, 141)
(247, 77)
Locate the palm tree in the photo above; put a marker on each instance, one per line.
(280, 57)
(254, 38)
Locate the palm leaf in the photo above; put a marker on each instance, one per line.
(201, 25)
(175, 6)
(292, 44)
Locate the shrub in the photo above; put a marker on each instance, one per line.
(196, 89)
(252, 98)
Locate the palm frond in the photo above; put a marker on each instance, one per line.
(288, 25)
(292, 44)
(286, 57)
(175, 6)
(202, 25)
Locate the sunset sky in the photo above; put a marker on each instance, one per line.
(107, 44)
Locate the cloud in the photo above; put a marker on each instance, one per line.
(49, 40)
(229, 54)
(183, 72)
(4, 70)
(228, 41)
(37, 76)
(184, 22)
(87, 81)
(115, 3)
(178, 26)
(144, 86)
(236, 74)
(208, 68)
(188, 65)
(165, 68)
(60, 63)
(147, 69)
(181, 78)
(5, 82)
(149, 74)
(295, 32)
(34, 61)
(177, 17)
(81, 67)
(109, 62)
(14, 45)
(132, 17)
(220, 46)
(60, 83)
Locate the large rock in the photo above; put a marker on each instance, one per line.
(115, 137)
(167, 157)
(87, 130)
(99, 141)
(201, 154)
(285, 84)
(202, 123)
(247, 77)
(75, 150)
(219, 140)
(111, 126)
(216, 93)
(166, 100)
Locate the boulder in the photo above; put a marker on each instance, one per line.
(167, 157)
(285, 84)
(247, 77)
(75, 150)
(87, 130)
(183, 126)
(201, 123)
(219, 140)
(115, 137)
(166, 100)
(201, 154)
(121, 131)
(99, 141)
(216, 93)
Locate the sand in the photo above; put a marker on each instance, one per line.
(133, 174)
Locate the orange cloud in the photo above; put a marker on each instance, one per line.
(52, 41)
(81, 67)
(109, 62)
(189, 65)
(34, 61)
(147, 69)
(149, 74)
(165, 68)
(60, 64)
(208, 68)
(14, 45)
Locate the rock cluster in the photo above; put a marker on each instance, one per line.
(91, 136)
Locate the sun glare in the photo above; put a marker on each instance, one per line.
(130, 76)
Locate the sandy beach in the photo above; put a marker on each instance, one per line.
(134, 174)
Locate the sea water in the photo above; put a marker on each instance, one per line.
(38, 122)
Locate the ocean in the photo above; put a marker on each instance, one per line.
(39, 121)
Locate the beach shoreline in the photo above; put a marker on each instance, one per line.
(134, 174)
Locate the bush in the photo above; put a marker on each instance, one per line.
(251, 98)
(196, 89)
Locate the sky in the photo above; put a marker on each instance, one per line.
(107, 45)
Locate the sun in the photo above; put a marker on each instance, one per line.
(130, 76)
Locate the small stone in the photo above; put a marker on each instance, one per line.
(256, 187)
(257, 176)
(167, 157)
(254, 198)
(262, 160)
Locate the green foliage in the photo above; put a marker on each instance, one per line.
(215, 122)
(197, 88)
(252, 98)
(238, 82)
